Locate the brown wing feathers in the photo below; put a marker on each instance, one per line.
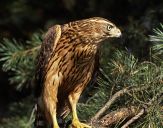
(47, 50)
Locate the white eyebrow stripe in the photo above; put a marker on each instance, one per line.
(102, 21)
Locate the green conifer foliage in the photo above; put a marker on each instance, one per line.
(19, 60)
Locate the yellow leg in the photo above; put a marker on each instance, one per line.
(55, 124)
(73, 99)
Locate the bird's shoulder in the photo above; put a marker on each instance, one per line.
(48, 45)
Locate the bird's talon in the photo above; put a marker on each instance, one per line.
(78, 124)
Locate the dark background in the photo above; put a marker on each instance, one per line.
(19, 19)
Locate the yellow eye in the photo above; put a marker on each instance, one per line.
(109, 27)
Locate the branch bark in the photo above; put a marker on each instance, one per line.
(112, 100)
(132, 112)
(117, 116)
(108, 104)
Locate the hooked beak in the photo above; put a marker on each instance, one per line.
(116, 32)
(119, 34)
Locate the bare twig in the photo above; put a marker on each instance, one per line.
(126, 125)
(108, 104)
(112, 100)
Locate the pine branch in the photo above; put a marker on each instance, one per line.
(122, 114)
(113, 99)
(143, 110)
(13, 53)
(141, 81)
(133, 119)
(108, 104)
(158, 37)
(20, 59)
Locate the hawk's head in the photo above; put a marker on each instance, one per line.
(96, 29)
